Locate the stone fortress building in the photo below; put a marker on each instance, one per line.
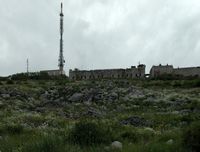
(157, 71)
(133, 72)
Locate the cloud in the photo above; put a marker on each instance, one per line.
(99, 34)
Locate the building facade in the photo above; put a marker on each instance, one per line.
(131, 73)
(157, 71)
(54, 72)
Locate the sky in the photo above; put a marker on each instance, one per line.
(98, 34)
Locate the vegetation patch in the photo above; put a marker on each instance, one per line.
(89, 133)
(191, 137)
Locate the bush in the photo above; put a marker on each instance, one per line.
(191, 137)
(132, 136)
(34, 120)
(88, 133)
(146, 135)
(14, 129)
(197, 83)
(9, 82)
(48, 143)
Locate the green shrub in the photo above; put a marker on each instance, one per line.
(191, 137)
(9, 82)
(88, 133)
(132, 136)
(35, 120)
(1, 129)
(197, 83)
(14, 128)
(187, 118)
(176, 83)
(48, 143)
(146, 135)
(162, 147)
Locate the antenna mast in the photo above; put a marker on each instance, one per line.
(61, 60)
(27, 67)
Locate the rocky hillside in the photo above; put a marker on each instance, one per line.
(43, 106)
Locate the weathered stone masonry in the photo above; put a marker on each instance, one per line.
(169, 69)
(133, 72)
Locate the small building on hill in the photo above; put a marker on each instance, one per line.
(53, 72)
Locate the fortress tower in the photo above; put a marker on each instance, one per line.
(61, 60)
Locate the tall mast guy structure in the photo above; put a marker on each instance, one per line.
(61, 60)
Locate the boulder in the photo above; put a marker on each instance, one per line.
(6, 96)
(136, 121)
(170, 142)
(93, 113)
(76, 97)
(116, 145)
(149, 129)
(113, 96)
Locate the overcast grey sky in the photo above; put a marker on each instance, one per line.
(99, 34)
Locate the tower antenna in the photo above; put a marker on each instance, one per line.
(61, 60)
(27, 67)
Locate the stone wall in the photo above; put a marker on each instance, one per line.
(191, 71)
(133, 72)
(160, 70)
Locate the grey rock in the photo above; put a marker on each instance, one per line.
(1, 104)
(98, 97)
(185, 112)
(149, 129)
(136, 121)
(76, 97)
(5, 96)
(175, 112)
(88, 103)
(116, 145)
(93, 112)
(113, 96)
(170, 142)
